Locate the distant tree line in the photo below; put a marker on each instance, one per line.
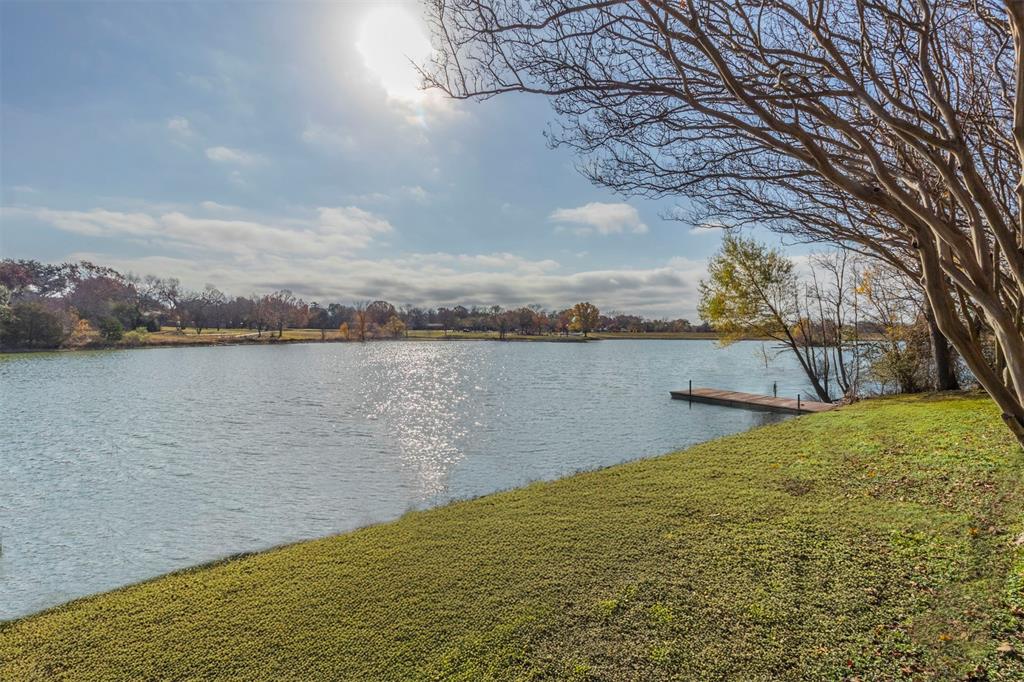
(851, 323)
(46, 305)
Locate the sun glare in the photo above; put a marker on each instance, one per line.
(389, 38)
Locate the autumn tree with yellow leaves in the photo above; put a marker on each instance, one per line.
(585, 317)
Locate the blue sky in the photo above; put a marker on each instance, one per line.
(257, 146)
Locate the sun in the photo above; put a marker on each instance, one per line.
(389, 37)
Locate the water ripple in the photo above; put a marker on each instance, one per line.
(118, 466)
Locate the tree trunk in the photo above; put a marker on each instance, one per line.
(952, 328)
(942, 356)
(806, 363)
(823, 394)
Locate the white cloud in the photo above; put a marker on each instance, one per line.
(236, 156)
(25, 189)
(414, 193)
(95, 223)
(802, 263)
(318, 255)
(331, 139)
(369, 198)
(603, 218)
(331, 230)
(219, 208)
(179, 125)
(429, 280)
(441, 262)
(417, 194)
(353, 224)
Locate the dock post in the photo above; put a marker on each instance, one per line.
(775, 389)
(798, 401)
(690, 390)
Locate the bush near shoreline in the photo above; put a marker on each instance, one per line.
(879, 541)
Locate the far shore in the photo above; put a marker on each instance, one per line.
(170, 337)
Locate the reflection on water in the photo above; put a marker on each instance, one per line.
(429, 418)
(118, 466)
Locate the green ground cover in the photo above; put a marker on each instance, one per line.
(877, 541)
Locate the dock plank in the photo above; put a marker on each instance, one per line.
(750, 401)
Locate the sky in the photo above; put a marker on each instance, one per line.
(259, 146)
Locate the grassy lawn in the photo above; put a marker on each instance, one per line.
(873, 542)
(207, 331)
(436, 334)
(688, 336)
(169, 336)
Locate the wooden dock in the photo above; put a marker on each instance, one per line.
(751, 401)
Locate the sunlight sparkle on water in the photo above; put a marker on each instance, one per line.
(427, 419)
(240, 448)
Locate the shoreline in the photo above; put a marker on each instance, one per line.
(751, 528)
(311, 336)
(247, 554)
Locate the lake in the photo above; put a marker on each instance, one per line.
(117, 466)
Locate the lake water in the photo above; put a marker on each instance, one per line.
(118, 466)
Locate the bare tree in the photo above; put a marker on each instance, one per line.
(202, 308)
(278, 309)
(380, 312)
(157, 292)
(817, 212)
(909, 111)
(754, 291)
(319, 318)
(832, 292)
(361, 319)
(898, 352)
(192, 309)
